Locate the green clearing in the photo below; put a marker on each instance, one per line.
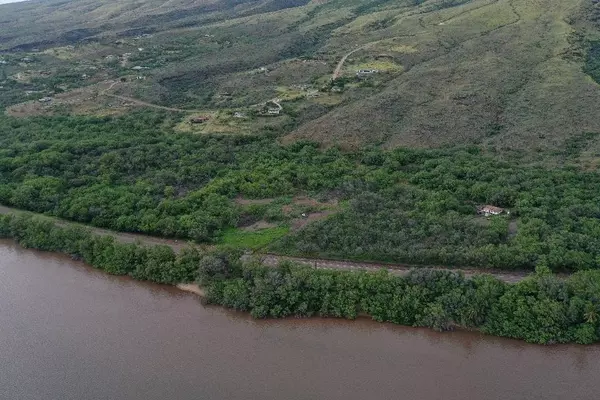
(240, 239)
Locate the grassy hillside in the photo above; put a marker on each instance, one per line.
(509, 75)
(498, 73)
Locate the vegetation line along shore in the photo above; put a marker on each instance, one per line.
(273, 259)
(539, 309)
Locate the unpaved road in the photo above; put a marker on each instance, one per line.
(122, 237)
(274, 260)
(397, 269)
(276, 102)
(338, 68)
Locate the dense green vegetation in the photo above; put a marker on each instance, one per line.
(418, 206)
(540, 309)
(157, 263)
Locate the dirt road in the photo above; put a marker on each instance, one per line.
(397, 269)
(122, 237)
(274, 260)
(338, 68)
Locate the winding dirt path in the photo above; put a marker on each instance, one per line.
(274, 259)
(340, 65)
(277, 103)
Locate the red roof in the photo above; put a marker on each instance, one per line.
(492, 209)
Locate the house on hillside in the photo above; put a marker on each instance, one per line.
(365, 72)
(488, 210)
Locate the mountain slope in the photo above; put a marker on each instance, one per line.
(501, 75)
(505, 74)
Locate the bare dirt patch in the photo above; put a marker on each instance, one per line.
(257, 226)
(83, 101)
(192, 288)
(248, 202)
(307, 201)
(317, 210)
(300, 223)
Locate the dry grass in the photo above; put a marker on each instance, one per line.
(496, 76)
(489, 72)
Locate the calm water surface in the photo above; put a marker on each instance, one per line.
(70, 332)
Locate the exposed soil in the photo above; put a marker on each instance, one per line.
(299, 223)
(248, 202)
(257, 226)
(192, 288)
(307, 201)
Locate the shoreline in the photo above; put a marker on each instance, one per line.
(191, 288)
(198, 291)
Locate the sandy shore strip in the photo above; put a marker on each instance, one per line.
(192, 288)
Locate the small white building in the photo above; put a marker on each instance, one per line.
(489, 210)
(365, 72)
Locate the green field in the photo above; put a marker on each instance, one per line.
(252, 240)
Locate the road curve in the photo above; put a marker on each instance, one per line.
(340, 65)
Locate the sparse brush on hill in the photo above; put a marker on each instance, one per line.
(512, 75)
